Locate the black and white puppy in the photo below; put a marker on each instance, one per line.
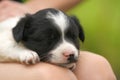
(48, 35)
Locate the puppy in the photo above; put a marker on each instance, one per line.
(48, 35)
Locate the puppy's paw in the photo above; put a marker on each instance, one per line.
(29, 57)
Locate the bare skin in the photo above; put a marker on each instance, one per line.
(9, 8)
(89, 67)
(41, 71)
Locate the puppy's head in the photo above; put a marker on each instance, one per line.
(52, 34)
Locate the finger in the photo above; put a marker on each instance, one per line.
(4, 17)
(3, 4)
(6, 13)
(10, 11)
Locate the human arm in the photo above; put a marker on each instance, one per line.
(9, 8)
(40, 71)
(63, 5)
(89, 67)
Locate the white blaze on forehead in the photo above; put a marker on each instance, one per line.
(59, 19)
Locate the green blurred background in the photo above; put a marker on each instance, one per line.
(101, 23)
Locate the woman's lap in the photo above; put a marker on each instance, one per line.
(89, 67)
(40, 71)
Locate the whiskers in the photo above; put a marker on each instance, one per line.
(56, 60)
(45, 57)
(48, 57)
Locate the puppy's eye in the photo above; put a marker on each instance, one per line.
(52, 36)
(71, 36)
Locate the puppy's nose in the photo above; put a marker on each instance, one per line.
(70, 56)
(67, 53)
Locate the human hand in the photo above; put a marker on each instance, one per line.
(11, 8)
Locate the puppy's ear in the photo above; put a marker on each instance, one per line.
(18, 30)
(81, 32)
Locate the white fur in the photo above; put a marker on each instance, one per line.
(59, 19)
(9, 49)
